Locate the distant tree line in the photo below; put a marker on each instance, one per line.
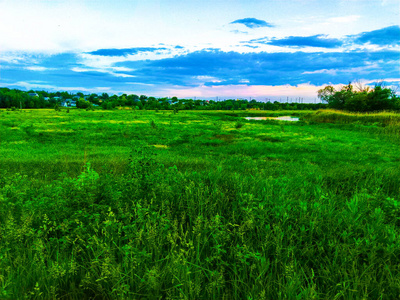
(13, 98)
(360, 98)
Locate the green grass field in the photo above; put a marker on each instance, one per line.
(199, 205)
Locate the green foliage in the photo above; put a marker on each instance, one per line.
(16, 98)
(101, 207)
(90, 107)
(366, 99)
(81, 103)
(239, 125)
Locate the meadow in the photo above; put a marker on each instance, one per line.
(126, 204)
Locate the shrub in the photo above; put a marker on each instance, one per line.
(239, 125)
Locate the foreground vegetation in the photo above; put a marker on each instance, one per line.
(199, 205)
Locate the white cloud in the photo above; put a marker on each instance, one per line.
(104, 70)
(121, 75)
(34, 85)
(344, 19)
(38, 68)
(359, 70)
(323, 71)
(86, 25)
(201, 79)
(45, 26)
(59, 26)
(79, 69)
(140, 83)
(121, 69)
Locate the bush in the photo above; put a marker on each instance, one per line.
(238, 125)
(83, 104)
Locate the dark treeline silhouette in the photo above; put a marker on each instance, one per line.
(17, 99)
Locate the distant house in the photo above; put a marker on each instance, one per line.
(57, 98)
(33, 94)
(47, 98)
(68, 103)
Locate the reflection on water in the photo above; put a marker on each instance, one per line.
(284, 118)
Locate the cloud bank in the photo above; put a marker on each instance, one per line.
(319, 41)
(236, 72)
(382, 37)
(252, 23)
(126, 51)
(388, 36)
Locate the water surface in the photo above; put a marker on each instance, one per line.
(284, 118)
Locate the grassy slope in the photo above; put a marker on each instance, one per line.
(198, 205)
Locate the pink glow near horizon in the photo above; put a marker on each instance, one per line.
(259, 92)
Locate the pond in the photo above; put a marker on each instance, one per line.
(284, 118)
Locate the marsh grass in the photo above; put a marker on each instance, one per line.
(91, 210)
(384, 123)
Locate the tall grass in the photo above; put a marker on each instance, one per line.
(381, 123)
(269, 210)
(336, 116)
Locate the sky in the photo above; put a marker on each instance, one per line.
(259, 49)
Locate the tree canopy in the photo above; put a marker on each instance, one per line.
(362, 99)
(21, 99)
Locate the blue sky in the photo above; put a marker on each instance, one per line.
(222, 48)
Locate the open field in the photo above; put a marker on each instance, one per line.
(130, 204)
